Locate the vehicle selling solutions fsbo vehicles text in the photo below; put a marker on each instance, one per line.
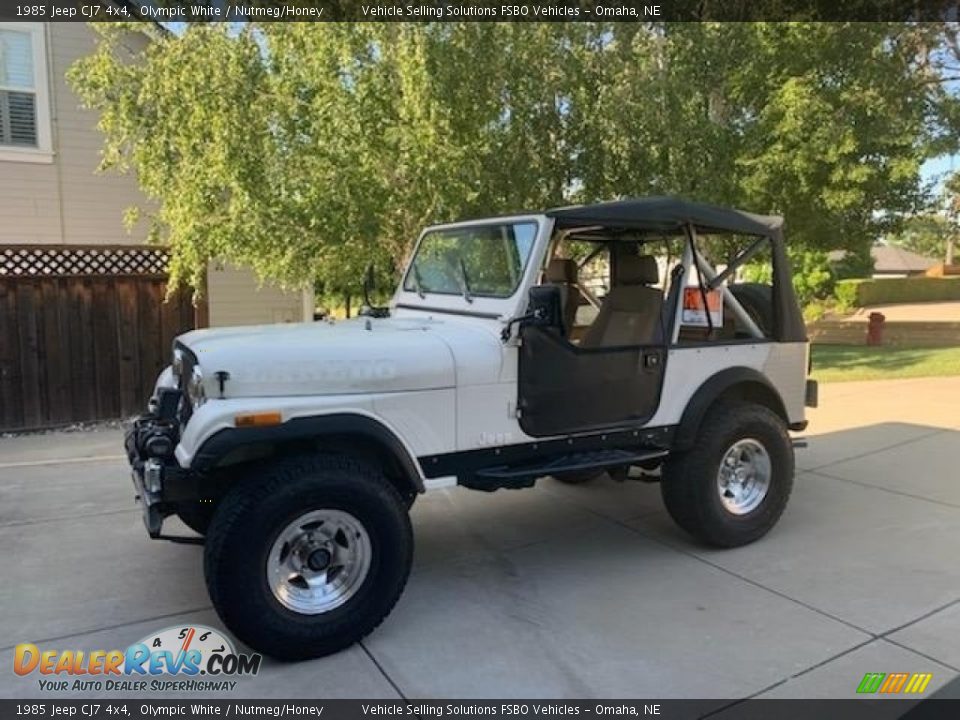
(453, 11)
(513, 709)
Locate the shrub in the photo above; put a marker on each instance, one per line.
(845, 292)
(879, 291)
(814, 311)
(854, 264)
(812, 277)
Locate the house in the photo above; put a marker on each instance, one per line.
(891, 261)
(50, 193)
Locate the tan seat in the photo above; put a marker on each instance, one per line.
(630, 314)
(563, 273)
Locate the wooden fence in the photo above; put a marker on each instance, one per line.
(84, 331)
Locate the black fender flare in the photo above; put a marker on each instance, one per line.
(311, 428)
(741, 382)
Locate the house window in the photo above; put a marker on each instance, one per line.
(24, 102)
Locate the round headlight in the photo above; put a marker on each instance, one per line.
(195, 391)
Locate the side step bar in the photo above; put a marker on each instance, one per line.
(525, 475)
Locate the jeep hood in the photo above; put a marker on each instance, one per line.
(354, 356)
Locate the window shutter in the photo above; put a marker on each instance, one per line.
(18, 118)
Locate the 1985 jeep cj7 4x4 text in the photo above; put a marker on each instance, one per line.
(565, 343)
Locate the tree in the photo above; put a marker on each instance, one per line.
(307, 150)
(925, 234)
(952, 192)
(933, 233)
(825, 123)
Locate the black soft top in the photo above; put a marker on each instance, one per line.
(667, 214)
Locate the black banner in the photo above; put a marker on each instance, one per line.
(186, 11)
(111, 709)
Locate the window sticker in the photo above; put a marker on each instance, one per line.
(693, 312)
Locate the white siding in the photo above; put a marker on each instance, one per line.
(92, 203)
(236, 298)
(66, 201)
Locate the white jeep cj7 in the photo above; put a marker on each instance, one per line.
(582, 340)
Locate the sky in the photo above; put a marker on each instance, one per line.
(937, 168)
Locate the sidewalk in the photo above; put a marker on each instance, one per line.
(912, 312)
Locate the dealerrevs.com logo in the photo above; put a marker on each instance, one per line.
(182, 658)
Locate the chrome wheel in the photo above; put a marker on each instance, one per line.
(744, 476)
(319, 561)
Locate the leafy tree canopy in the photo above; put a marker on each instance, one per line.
(933, 233)
(307, 150)
(925, 234)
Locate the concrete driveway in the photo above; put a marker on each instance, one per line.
(558, 591)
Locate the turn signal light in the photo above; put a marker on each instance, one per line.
(257, 419)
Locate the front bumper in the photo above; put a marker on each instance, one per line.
(159, 483)
(151, 501)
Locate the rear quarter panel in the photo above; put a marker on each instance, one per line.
(783, 364)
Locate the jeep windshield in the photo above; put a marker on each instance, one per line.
(485, 260)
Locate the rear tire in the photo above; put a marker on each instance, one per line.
(731, 505)
(307, 555)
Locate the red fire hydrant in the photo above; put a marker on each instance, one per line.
(875, 329)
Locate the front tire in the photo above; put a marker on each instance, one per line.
(308, 555)
(732, 486)
(196, 516)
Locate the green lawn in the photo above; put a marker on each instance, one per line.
(840, 363)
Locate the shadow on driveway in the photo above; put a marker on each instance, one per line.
(559, 591)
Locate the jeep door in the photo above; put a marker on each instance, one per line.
(602, 364)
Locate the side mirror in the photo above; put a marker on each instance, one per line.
(544, 309)
(546, 306)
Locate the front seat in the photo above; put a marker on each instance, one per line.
(562, 272)
(630, 314)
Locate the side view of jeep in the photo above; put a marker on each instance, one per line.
(654, 336)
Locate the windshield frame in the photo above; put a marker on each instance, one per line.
(408, 284)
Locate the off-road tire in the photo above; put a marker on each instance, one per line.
(689, 482)
(196, 516)
(757, 300)
(250, 518)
